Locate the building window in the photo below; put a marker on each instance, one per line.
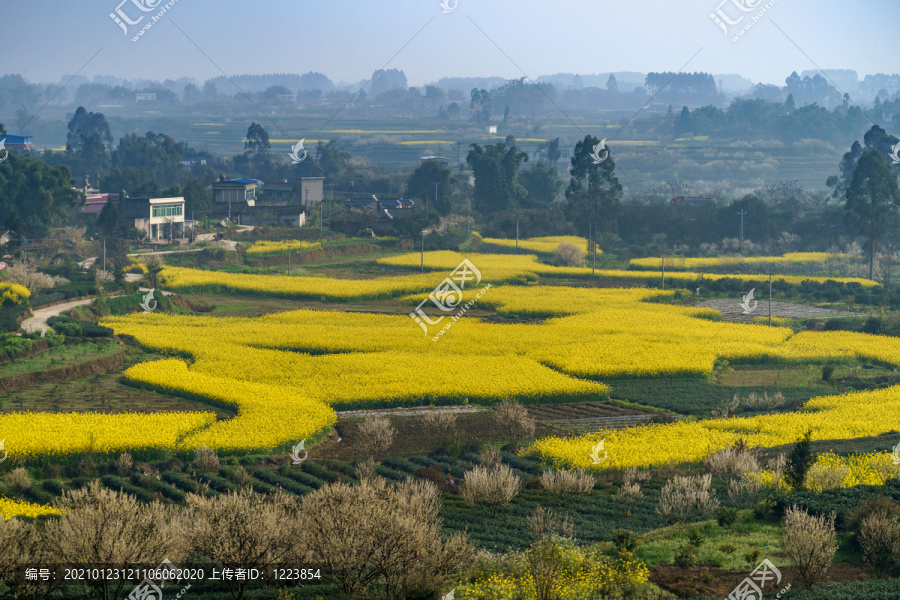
(250, 194)
(167, 210)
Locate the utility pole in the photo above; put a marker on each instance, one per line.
(742, 212)
(104, 254)
(289, 261)
(423, 251)
(436, 184)
(770, 299)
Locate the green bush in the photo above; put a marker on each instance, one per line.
(625, 540)
(685, 557)
(799, 462)
(726, 516)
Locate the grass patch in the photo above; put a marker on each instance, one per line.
(60, 356)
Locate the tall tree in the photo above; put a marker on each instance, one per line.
(611, 83)
(543, 185)
(84, 125)
(873, 202)
(157, 155)
(496, 169)
(33, 195)
(481, 106)
(421, 184)
(594, 190)
(257, 140)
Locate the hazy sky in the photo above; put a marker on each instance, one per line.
(349, 39)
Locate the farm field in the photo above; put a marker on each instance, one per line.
(261, 360)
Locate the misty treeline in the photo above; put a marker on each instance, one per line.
(510, 190)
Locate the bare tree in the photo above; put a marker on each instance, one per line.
(810, 542)
(493, 486)
(242, 528)
(102, 527)
(377, 436)
(379, 534)
(513, 421)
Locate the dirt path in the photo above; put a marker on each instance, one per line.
(39, 320)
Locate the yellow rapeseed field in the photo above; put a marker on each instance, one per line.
(541, 245)
(830, 417)
(10, 507)
(286, 373)
(528, 263)
(280, 247)
(29, 435)
(681, 262)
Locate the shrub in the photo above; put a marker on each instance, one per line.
(206, 458)
(630, 494)
(633, 474)
(682, 496)
(495, 486)
(695, 538)
(826, 477)
(513, 421)
(810, 542)
(440, 426)
(365, 470)
(567, 482)
(801, 459)
(51, 472)
(543, 525)
(242, 478)
(879, 537)
(685, 557)
(625, 540)
(728, 549)
(827, 372)
(377, 436)
(732, 461)
(726, 517)
(569, 254)
(19, 479)
(744, 491)
(752, 557)
(124, 463)
(490, 458)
